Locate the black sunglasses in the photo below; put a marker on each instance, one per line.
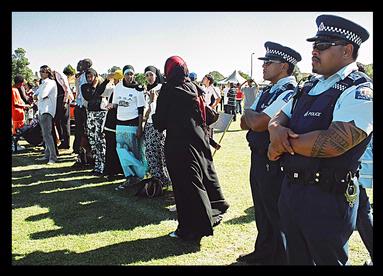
(324, 45)
(268, 62)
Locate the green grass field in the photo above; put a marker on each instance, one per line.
(66, 216)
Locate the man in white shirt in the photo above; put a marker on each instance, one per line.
(46, 102)
(212, 96)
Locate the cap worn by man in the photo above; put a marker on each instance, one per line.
(275, 51)
(332, 27)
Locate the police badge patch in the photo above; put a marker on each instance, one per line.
(364, 93)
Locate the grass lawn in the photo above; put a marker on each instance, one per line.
(66, 216)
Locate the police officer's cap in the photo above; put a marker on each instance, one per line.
(335, 27)
(275, 51)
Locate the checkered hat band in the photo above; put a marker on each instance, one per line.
(281, 54)
(345, 33)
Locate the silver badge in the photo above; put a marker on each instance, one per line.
(351, 193)
(321, 27)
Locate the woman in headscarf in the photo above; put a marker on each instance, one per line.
(199, 199)
(92, 92)
(154, 140)
(130, 102)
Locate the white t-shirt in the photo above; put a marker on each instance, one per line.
(210, 91)
(225, 98)
(128, 100)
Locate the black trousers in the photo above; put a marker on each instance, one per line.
(80, 123)
(63, 124)
(265, 181)
(112, 162)
(230, 109)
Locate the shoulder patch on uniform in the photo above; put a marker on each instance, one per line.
(288, 96)
(364, 93)
(355, 75)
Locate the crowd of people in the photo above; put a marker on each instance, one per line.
(307, 141)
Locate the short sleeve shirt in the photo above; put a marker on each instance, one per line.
(354, 104)
(128, 100)
(280, 101)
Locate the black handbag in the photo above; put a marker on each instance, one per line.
(211, 115)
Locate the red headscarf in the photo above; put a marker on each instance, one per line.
(176, 70)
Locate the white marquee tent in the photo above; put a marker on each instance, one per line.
(235, 77)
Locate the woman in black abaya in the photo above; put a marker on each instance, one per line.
(199, 199)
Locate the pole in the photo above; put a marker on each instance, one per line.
(251, 71)
(227, 127)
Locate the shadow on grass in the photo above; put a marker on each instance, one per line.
(117, 254)
(85, 205)
(248, 218)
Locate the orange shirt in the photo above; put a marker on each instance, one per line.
(17, 112)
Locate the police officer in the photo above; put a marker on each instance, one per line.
(320, 135)
(265, 175)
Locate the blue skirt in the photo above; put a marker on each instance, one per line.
(131, 151)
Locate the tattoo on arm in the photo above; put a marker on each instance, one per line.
(337, 139)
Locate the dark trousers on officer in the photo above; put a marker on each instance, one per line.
(317, 224)
(364, 221)
(80, 122)
(265, 181)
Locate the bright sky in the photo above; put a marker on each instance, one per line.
(207, 41)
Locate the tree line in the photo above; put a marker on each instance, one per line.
(20, 66)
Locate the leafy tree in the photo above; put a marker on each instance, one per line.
(20, 65)
(141, 79)
(244, 75)
(217, 76)
(369, 70)
(297, 73)
(69, 70)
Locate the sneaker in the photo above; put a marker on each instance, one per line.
(173, 208)
(51, 162)
(121, 187)
(20, 147)
(41, 159)
(129, 182)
